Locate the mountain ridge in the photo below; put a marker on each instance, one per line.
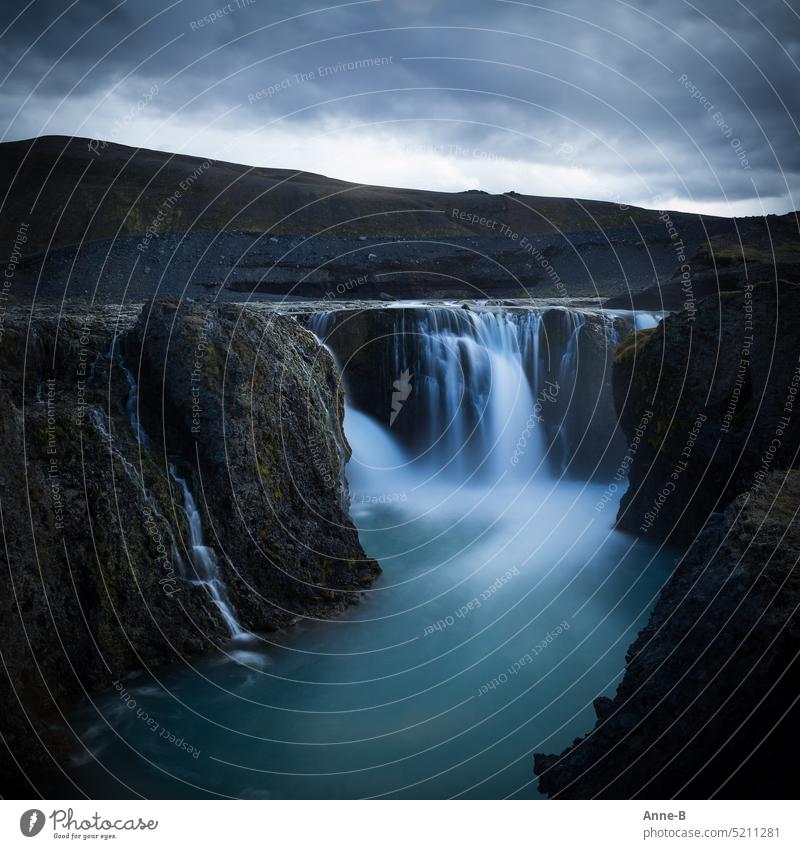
(106, 221)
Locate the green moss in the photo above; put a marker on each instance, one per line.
(634, 344)
(658, 433)
(268, 461)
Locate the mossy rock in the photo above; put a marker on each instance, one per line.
(634, 344)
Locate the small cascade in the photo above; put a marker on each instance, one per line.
(646, 320)
(132, 405)
(637, 319)
(567, 378)
(320, 324)
(204, 559)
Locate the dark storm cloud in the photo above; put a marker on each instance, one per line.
(661, 99)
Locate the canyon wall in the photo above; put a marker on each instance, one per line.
(103, 413)
(707, 705)
(716, 391)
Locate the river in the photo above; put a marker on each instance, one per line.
(505, 607)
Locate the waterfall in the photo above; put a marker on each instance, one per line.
(646, 320)
(132, 406)
(320, 323)
(488, 392)
(474, 396)
(567, 378)
(205, 564)
(204, 560)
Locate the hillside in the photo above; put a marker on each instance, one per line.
(96, 219)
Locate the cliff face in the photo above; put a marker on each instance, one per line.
(715, 396)
(756, 250)
(97, 557)
(708, 699)
(258, 404)
(707, 706)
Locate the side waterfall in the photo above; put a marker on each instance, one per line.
(205, 564)
(204, 560)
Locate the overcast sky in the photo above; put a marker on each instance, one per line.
(663, 103)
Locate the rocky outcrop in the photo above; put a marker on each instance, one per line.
(97, 564)
(755, 250)
(711, 397)
(708, 703)
(250, 406)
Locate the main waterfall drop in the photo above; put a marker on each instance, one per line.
(492, 392)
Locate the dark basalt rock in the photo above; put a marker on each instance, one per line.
(708, 703)
(250, 406)
(91, 588)
(718, 391)
(755, 250)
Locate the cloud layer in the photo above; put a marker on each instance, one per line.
(672, 104)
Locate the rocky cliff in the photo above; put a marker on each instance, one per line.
(708, 704)
(714, 394)
(99, 571)
(708, 701)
